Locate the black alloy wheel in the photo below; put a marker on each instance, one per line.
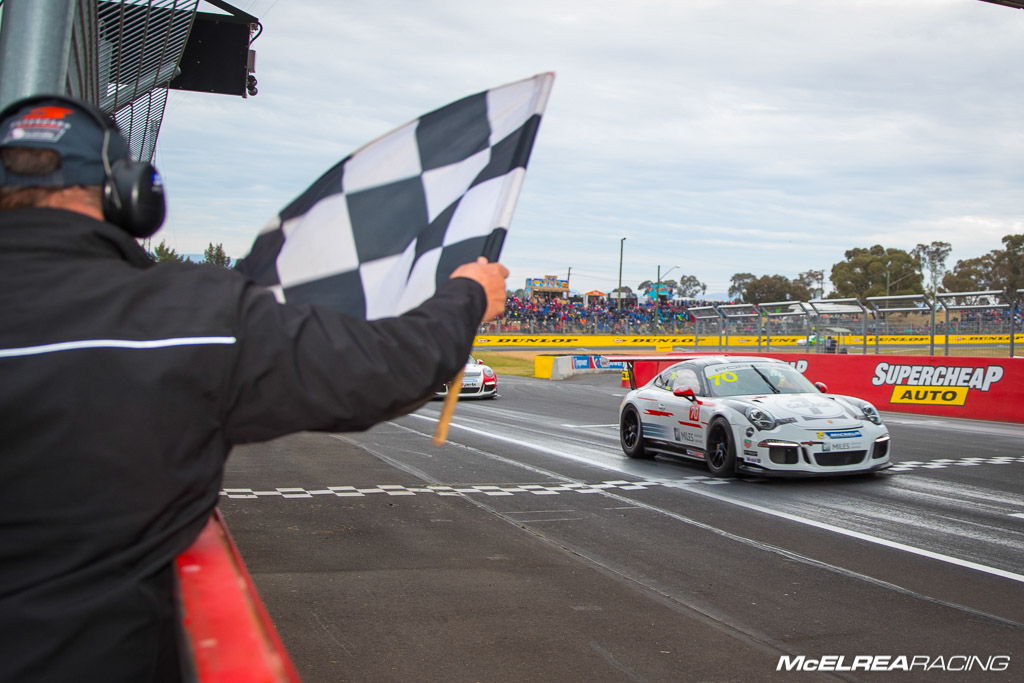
(631, 434)
(721, 453)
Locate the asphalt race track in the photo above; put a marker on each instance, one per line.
(528, 548)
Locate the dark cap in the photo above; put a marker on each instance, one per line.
(76, 131)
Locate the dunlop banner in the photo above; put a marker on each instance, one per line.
(589, 341)
(690, 342)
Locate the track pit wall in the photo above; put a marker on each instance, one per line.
(966, 387)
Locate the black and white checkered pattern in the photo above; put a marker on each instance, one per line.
(570, 487)
(943, 463)
(375, 234)
(482, 489)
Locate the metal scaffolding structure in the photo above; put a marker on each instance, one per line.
(121, 55)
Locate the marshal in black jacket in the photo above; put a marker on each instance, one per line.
(123, 385)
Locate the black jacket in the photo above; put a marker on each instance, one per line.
(123, 385)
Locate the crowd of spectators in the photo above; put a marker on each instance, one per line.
(603, 316)
(985, 320)
(597, 316)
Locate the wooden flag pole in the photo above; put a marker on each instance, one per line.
(455, 386)
(448, 409)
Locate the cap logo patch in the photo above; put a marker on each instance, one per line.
(41, 124)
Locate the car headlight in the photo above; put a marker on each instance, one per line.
(488, 373)
(871, 413)
(760, 418)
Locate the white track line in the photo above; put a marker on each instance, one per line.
(967, 564)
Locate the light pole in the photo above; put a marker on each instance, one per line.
(657, 291)
(895, 282)
(657, 286)
(618, 292)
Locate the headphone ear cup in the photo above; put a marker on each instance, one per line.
(133, 197)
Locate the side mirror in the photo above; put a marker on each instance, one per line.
(822, 387)
(685, 392)
(479, 362)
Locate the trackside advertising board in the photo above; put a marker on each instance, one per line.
(967, 387)
(746, 341)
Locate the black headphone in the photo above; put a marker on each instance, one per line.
(133, 193)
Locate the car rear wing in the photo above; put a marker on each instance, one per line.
(640, 369)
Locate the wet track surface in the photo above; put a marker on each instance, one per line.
(529, 548)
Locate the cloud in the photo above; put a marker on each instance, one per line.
(768, 138)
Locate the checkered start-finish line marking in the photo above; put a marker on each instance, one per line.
(485, 489)
(942, 463)
(557, 488)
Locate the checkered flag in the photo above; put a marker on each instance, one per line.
(377, 233)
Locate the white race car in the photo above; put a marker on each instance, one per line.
(478, 381)
(751, 415)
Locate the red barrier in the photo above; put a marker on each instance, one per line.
(968, 387)
(228, 630)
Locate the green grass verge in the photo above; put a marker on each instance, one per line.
(515, 363)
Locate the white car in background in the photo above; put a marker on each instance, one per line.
(478, 381)
(752, 415)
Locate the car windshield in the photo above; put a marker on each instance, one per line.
(740, 379)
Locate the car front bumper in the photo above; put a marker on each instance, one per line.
(800, 473)
(817, 453)
(473, 389)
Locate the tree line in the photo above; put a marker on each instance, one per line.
(872, 271)
(864, 272)
(214, 255)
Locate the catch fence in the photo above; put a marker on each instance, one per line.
(987, 323)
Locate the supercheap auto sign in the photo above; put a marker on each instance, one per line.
(935, 385)
(978, 388)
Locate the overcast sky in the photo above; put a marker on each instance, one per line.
(716, 136)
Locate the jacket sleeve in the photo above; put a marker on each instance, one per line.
(305, 368)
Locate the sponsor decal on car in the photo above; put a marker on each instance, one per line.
(843, 434)
(935, 384)
(683, 435)
(828, 446)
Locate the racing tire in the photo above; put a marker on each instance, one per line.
(631, 434)
(720, 456)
